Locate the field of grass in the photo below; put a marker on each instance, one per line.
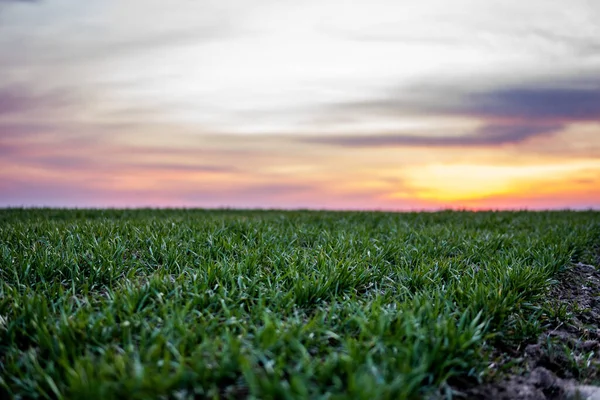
(270, 304)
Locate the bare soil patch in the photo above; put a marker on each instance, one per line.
(566, 355)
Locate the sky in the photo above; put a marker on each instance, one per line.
(323, 104)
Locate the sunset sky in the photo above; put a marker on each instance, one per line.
(372, 104)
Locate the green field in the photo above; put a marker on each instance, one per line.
(271, 304)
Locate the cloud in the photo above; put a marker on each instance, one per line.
(542, 103)
(20, 99)
(113, 48)
(60, 162)
(24, 130)
(556, 104)
(579, 43)
(116, 33)
(538, 38)
(7, 3)
(85, 156)
(183, 167)
(489, 135)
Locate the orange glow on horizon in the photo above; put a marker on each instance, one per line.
(285, 172)
(468, 183)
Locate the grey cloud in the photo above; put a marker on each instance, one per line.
(17, 98)
(578, 44)
(574, 45)
(489, 135)
(157, 41)
(85, 50)
(7, 3)
(535, 103)
(385, 33)
(564, 102)
(557, 104)
(12, 100)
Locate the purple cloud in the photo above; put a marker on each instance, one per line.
(489, 135)
(578, 100)
(562, 104)
(20, 99)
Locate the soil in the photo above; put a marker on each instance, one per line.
(565, 356)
